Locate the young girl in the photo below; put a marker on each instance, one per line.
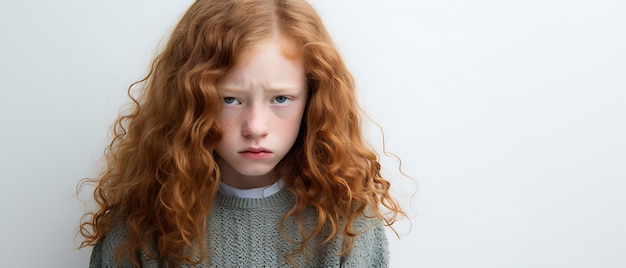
(243, 150)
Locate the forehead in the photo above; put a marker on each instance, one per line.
(272, 63)
(288, 47)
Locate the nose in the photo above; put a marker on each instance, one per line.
(256, 123)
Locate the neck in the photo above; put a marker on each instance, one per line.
(241, 181)
(248, 182)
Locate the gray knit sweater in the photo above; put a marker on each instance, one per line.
(243, 232)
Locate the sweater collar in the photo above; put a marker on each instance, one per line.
(281, 200)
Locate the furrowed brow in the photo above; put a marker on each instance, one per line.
(275, 90)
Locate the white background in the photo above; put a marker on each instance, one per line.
(509, 116)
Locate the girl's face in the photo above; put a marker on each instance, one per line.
(263, 102)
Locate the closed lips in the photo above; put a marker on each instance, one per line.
(255, 150)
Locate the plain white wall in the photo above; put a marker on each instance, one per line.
(510, 115)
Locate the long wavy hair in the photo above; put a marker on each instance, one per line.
(161, 176)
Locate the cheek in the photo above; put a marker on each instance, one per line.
(291, 124)
(227, 122)
(227, 127)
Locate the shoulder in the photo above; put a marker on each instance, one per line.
(103, 253)
(370, 248)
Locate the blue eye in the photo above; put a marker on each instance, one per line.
(281, 99)
(230, 101)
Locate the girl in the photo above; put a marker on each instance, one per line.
(243, 150)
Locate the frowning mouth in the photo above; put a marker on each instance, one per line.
(255, 150)
(255, 153)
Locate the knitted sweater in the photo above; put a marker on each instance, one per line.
(243, 232)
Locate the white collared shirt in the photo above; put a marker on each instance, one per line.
(253, 192)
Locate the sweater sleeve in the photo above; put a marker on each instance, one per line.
(370, 248)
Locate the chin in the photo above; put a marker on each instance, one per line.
(255, 172)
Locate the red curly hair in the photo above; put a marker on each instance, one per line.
(161, 176)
